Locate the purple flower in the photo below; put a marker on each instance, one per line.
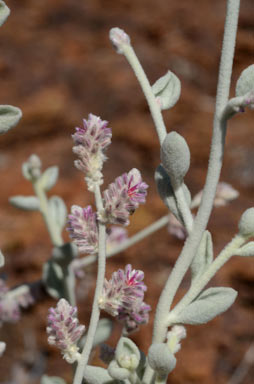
(64, 330)
(123, 197)
(123, 297)
(90, 143)
(11, 302)
(83, 229)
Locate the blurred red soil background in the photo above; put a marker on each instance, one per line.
(57, 65)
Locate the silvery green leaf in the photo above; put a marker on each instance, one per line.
(49, 178)
(167, 89)
(28, 203)
(52, 380)
(245, 83)
(97, 375)
(1, 259)
(204, 256)
(53, 279)
(58, 211)
(127, 354)
(211, 303)
(166, 193)
(9, 117)
(246, 250)
(4, 12)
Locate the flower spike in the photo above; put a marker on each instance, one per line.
(90, 142)
(64, 330)
(123, 197)
(83, 229)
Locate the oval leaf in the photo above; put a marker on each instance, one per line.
(28, 203)
(166, 193)
(167, 89)
(4, 12)
(247, 250)
(245, 83)
(58, 211)
(49, 178)
(211, 303)
(127, 350)
(9, 117)
(204, 256)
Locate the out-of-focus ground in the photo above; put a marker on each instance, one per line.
(56, 63)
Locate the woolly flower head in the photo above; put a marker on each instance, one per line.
(123, 297)
(123, 197)
(90, 142)
(83, 229)
(64, 330)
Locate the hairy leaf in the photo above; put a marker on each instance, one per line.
(211, 303)
(28, 203)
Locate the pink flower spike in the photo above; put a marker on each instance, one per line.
(123, 298)
(119, 38)
(64, 330)
(90, 142)
(123, 197)
(83, 229)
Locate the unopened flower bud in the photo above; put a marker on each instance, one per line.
(119, 38)
(175, 157)
(246, 223)
(161, 359)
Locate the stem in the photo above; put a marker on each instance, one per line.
(156, 114)
(201, 282)
(213, 174)
(130, 55)
(54, 234)
(129, 242)
(98, 291)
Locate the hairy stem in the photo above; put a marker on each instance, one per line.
(98, 291)
(214, 168)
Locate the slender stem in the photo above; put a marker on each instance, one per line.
(128, 243)
(213, 174)
(156, 114)
(130, 55)
(201, 281)
(55, 235)
(98, 291)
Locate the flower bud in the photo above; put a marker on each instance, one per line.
(246, 223)
(175, 157)
(161, 359)
(119, 38)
